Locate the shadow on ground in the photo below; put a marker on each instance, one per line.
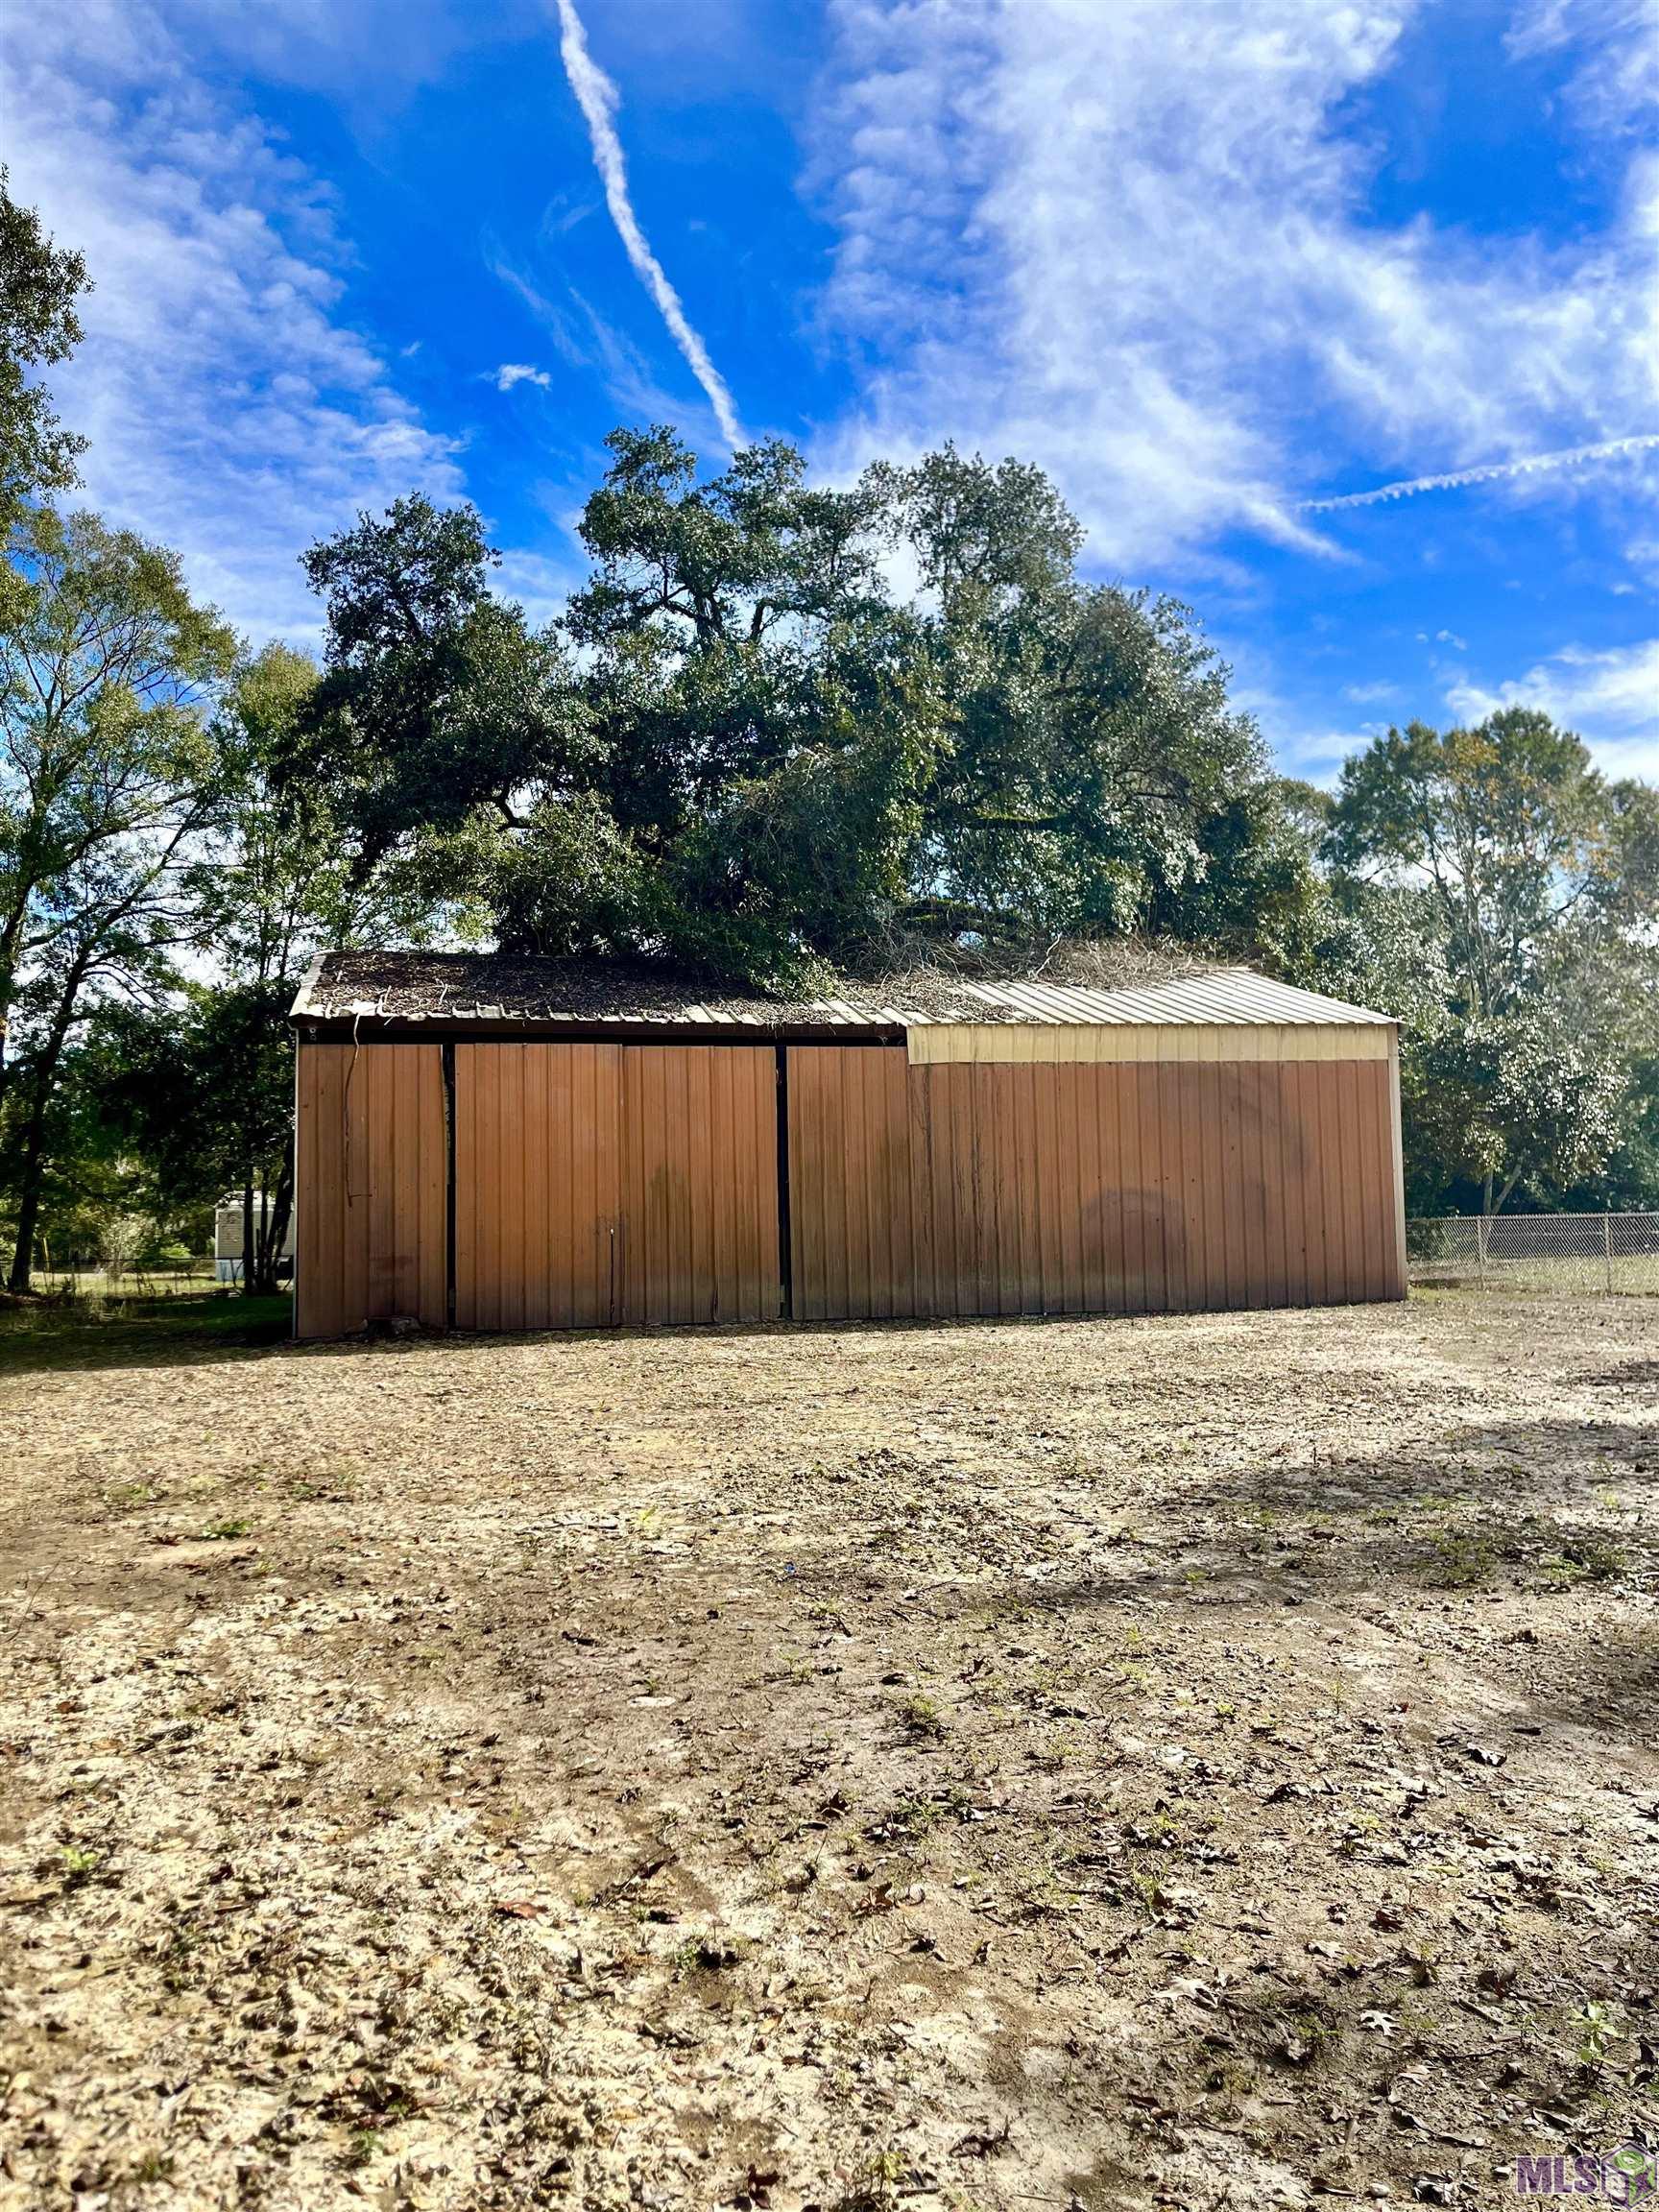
(48, 1336)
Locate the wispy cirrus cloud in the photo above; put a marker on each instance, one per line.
(231, 412)
(1134, 243)
(1614, 84)
(597, 98)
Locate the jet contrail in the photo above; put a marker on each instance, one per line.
(597, 98)
(1612, 449)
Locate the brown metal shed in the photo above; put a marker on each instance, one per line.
(502, 1144)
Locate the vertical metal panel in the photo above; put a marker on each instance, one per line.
(1109, 1129)
(1258, 1226)
(1353, 1193)
(370, 1230)
(1134, 1171)
(1294, 1181)
(537, 1184)
(924, 1230)
(1377, 1197)
(700, 1145)
(1092, 1278)
(1336, 1177)
(322, 1194)
(600, 1183)
(1167, 1086)
(1090, 1187)
(1143, 1081)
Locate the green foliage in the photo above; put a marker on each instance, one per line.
(108, 792)
(783, 726)
(200, 1082)
(39, 283)
(1498, 895)
(437, 698)
(747, 756)
(104, 662)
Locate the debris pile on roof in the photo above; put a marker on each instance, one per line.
(1096, 984)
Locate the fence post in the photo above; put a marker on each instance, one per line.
(1481, 1242)
(1607, 1248)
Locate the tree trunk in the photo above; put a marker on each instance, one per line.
(34, 1168)
(249, 1247)
(277, 1217)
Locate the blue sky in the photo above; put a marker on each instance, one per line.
(1213, 263)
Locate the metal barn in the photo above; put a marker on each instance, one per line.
(501, 1144)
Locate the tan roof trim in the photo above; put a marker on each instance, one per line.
(1192, 1042)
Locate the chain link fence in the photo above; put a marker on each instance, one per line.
(1573, 1252)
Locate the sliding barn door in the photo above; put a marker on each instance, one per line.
(600, 1184)
(700, 1183)
(537, 1186)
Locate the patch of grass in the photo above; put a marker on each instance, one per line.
(1591, 1559)
(223, 1532)
(79, 1866)
(61, 1332)
(907, 1820)
(920, 1715)
(1461, 1560)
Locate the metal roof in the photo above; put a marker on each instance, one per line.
(1225, 997)
(478, 993)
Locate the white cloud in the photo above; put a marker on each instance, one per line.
(1616, 79)
(1494, 473)
(1610, 698)
(597, 98)
(1131, 240)
(587, 341)
(540, 583)
(230, 413)
(513, 373)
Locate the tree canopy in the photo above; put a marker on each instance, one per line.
(1503, 897)
(40, 284)
(781, 726)
(746, 749)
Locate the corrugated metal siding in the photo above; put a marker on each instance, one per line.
(603, 1183)
(537, 1184)
(1235, 996)
(1054, 1187)
(700, 1184)
(371, 1186)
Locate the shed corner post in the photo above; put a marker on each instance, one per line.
(1399, 1156)
(297, 1280)
(446, 1062)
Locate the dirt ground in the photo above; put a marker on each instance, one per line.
(1175, 1762)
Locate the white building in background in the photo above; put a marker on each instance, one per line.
(227, 1237)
